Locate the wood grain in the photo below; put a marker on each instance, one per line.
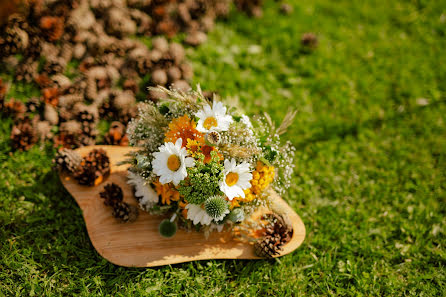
(138, 244)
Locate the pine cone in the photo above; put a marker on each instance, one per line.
(309, 40)
(66, 140)
(112, 194)
(26, 70)
(34, 105)
(279, 226)
(93, 168)
(88, 126)
(268, 246)
(277, 233)
(251, 7)
(116, 135)
(23, 135)
(43, 80)
(67, 160)
(131, 85)
(51, 95)
(14, 40)
(125, 212)
(54, 65)
(35, 45)
(52, 27)
(14, 108)
(66, 52)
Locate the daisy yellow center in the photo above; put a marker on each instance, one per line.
(210, 122)
(231, 178)
(173, 162)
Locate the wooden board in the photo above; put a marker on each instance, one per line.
(138, 244)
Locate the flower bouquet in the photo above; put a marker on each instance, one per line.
(195, 166)
(206, 165)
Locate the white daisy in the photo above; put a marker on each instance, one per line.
(147, 197)
(197, 214)
(236, 179)
(213, 119)
(171, 161)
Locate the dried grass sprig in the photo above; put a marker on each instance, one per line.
(286, 123)
(191, 99)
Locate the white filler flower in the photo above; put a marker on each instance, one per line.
(213, 119)
(197, 214)
(147, 197)
(171, 161)
(236, 179)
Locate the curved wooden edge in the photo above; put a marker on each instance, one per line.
(116, 242)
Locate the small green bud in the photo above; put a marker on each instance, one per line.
(216, 207)
(237, 215)
(167, 228)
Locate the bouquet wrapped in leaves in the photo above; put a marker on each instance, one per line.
(205, 164)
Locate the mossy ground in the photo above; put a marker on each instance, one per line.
(370, 181)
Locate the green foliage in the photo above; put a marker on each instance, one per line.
(216, 207)
(269, 153)
(202, 181)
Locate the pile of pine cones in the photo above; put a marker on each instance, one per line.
(84, 59)
(276, 234)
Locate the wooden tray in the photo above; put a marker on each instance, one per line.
(138, 244)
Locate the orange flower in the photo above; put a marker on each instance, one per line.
(167, 192)
(182, 204)
(195, 148)
(183, 127)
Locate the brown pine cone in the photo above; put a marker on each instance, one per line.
(43, 80)
(251, 7)
(278, 225)
(309, 41)
(35, 45)
(276, 234)
(14, 40)
(93, 168)
(34, 105)
(112, 194)
(67, 160)
(125, 212)
(268, 246)
(66, 140)
(51, 95)
(131, 85)
(52, 27)
(26, 70)
(14, 108)
(54, 65)
(116, 135)
(23, 135)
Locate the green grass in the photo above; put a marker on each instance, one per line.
(370, 181)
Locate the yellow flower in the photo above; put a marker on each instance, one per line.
(262, 177)
(185, 128)
(193, 147)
